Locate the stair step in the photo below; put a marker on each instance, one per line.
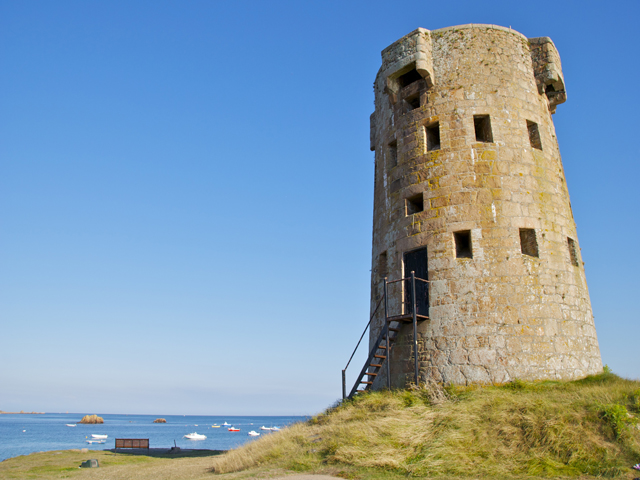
(382, 346)
(406, 317)
(372, 374)
(379, 356)
(375, 365)
(394, 329)
(367, 383)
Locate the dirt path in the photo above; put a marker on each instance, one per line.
(189, 465)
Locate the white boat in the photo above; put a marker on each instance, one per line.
(275, 429)
(195, 436)
(70, 424)
(264, 428)
(253, 433)
(225, 424)
(96, 441)
(99, 436)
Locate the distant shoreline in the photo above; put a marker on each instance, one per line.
(21, 412)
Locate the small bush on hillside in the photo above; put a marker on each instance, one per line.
(618, 419)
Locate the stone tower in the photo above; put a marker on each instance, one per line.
(469, 186)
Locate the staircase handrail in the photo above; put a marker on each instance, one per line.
(383, 332)
(365, 331)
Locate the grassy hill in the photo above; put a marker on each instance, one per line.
(585, 428)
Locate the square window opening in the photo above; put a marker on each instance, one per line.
(573, 252)
(414, 204)
(433, 136)
(392, 150)
(408, 78)
(534, 135)
(528, 242)
(482, 126)
(412, 102)
(463, 244)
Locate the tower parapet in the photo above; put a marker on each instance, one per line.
(469, 179)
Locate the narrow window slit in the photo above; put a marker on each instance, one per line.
(573, 252)
(534, 135)
(392, 149)
(382, 266)
(433, 136)
(463, 244)
(482, 125)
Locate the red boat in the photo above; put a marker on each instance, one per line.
(234, 429)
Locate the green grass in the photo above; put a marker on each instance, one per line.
(585, 428)
(153, 466)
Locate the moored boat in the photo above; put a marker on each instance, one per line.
(253, 433)
(195, 436)
(99, 436)
(234, 429)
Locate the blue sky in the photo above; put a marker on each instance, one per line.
(186, 193)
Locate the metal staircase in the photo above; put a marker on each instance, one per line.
(380, 353)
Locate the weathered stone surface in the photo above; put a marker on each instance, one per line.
(91, 419)
(501, 314)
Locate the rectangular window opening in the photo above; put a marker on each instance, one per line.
(414, 204)
(392, 150)
(463, 244)
(382, 266)
(408, 78)
(482, 126)
(433, 136)
(412, 102)
(573, 252)
(534, 135)
(528, 242)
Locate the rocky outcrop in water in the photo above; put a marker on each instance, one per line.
(91, 419)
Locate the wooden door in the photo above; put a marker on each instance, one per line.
(416, 261)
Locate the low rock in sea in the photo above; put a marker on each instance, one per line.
(159, 420)
(91, 419)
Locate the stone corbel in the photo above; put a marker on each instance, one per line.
(415, 52)
(548, 71)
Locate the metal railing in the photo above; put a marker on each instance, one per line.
(385, 333)
(344, 370)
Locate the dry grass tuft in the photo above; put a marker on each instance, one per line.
(534, 429)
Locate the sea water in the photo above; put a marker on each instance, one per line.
(21, 434)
